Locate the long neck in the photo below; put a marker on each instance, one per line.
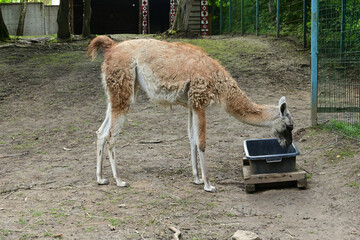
(241, 107)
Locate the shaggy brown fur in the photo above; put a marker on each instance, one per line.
(177, 73)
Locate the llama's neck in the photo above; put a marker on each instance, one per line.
(242, 108)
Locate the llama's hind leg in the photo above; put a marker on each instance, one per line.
(193, 148)
(101, 135)
(116, 124)
(199, 126)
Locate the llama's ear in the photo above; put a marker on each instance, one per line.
(282, 105)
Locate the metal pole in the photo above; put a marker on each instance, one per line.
(212, 16)
(229, 15)
(343, 26)
(314, 59)
(221, 17)
(242, 17)
(278, 19)
(304, 24)
(257, 18)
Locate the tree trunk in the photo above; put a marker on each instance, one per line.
(4, 33)
(86, 18)
(20, 28)
(63, 20)
(181, 23)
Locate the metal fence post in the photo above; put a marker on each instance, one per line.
(229, 15)
(343, 26)
(257, 18)
(212, 16)
(242, 17)
(278, 18)
(304, 24)
(221, 16)
(314, 59)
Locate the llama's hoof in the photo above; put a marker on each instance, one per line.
(103, 181)
(210, 189)
(198, 181)
(122, 184)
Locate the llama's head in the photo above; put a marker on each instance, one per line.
(282, 126)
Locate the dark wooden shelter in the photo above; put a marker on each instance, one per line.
(134, 16)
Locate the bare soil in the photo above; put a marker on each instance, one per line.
(52, 102)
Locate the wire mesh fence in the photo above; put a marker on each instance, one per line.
(338, 59)
(339, 64)
(271, 17)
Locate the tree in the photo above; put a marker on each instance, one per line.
(63, 20)
(181, 23)
(86, 18)
(4, 33)
(21, 23)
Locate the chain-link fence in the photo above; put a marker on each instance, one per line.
(271, 17)
(336, 89)
(338, 97)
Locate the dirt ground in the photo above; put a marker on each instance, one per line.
(52, 102)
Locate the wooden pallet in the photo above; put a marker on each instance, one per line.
(251, 180)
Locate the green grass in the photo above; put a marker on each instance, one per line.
(349, 130)
(353, 184)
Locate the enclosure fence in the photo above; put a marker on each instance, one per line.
(335, 45)
(337, 98)
(260, 17)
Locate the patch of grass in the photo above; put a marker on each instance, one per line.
(116, 222)
(349, 130)
(56, 213)
(135, 123)
(229, 214)
(151, 221)
(336, 155)
(72, 129)
(48, 234)
(89, 229)
(27, 236)
(210, 204)
(353, 184)
(22, 221)
(5, 232)
(58, 129)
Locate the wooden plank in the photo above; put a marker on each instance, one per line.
(194, 14)
(246, 172)
(194, 22)
(271, 177)
(301, 183)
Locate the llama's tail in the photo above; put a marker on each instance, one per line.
(100, 42)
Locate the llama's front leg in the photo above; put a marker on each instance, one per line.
(193, 148)
(199, 126)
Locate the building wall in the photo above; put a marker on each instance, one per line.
(39, 20)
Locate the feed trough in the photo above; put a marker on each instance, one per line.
(267, 156)
(267, 163)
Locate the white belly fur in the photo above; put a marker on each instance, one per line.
(158, 93)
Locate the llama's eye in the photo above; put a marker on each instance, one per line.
(289, 128)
